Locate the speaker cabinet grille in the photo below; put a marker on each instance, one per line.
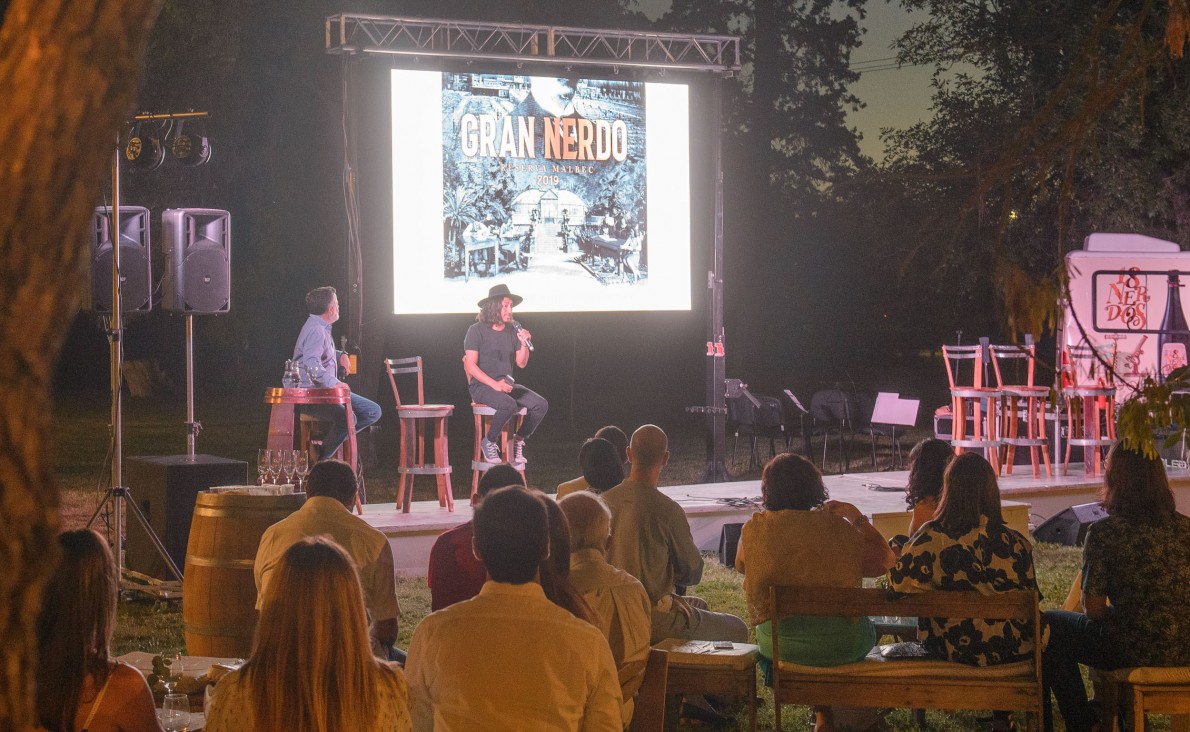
(198, 258)
(135, 266)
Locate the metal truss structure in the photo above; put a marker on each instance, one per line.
(352, 33)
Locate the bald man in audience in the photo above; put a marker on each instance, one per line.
(619, 600)
(509, 658)
(651, 540)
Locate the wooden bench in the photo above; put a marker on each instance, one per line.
(909, 683)
(1150, 690)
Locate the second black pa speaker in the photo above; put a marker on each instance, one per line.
(1069, 526)
(197, 260)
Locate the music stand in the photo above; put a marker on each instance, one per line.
(895, 413)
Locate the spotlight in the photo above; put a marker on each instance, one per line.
(190, 146)
(144, 149)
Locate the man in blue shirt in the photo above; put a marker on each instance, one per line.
(318, 364)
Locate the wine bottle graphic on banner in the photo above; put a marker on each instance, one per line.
(1174, 339)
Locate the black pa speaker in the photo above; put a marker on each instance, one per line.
(1069, 527)
(729, 541)
(197, 260)
(135, 268)
(166, 488)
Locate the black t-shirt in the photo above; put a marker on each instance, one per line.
(497, 348)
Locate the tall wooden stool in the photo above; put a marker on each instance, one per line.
(1019, 402)
(417, 421)
(974, 396)
(695, 667)
(1144, 690)
(483, 421)
(281, 419)
(1089, 390)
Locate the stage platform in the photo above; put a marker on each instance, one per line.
(1028, 502)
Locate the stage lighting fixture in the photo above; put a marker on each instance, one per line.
(143, 148)
(190, 145)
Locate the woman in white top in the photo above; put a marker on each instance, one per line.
(79, 686)
(311, 668)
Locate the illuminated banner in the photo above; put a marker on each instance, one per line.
(573, 191)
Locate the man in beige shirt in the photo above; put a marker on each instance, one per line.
(509, 659)
(327, 512)
(651, 540)
(617, 597)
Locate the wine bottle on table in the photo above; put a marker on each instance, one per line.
(1173, 342)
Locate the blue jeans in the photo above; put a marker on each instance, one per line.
(1074, 639)
(366, 412)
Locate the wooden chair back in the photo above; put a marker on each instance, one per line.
(1086, 365)
(1026, 352)
(955, 358)
(950, 691)
(649, 714)
(410, 365)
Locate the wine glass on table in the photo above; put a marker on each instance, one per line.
(174, 667)
(301, 467)
(288, 464)
(263, 458)
(275, 466)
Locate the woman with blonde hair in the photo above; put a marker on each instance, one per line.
(311, 668)
(79, 686)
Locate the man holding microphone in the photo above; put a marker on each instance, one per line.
(493, 344)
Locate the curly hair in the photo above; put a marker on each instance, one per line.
(489, 312)
(791, 481)
(927, 463)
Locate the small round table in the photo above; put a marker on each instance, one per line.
(282, 418)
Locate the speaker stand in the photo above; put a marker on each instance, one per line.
(192, 427)
(117, 493)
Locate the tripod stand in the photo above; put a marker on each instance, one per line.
(118, 492)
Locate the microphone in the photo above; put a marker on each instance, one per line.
(528, 341)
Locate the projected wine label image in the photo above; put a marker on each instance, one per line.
(544, 175)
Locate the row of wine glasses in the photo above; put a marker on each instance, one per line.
(279, 467)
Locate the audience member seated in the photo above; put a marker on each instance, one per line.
(508, 658)
(455, 573)
(621, 605)
(555, 570)
(311, 667)
(651, 540)
(330, 497)
(619, 440)
(801, 538)
(602, 469)
(968, 547)
(79, 686)
(927, 462)
(1136, 587)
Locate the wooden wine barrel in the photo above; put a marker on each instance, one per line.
(219, 592)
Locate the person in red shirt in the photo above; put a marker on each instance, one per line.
(455, 574)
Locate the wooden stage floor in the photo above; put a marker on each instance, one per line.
(1028, 502)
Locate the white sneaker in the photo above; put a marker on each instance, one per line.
(518, 451)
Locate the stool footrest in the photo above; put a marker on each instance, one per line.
(1025, 441)
(976, 443)
(424, 470)
(1090, 442)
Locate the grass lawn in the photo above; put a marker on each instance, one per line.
(235, 429)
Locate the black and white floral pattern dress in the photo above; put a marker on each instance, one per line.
(984, 559)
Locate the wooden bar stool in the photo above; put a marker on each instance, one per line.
(974, 397)
(1019, 402)
(281, 419)
(483, 421)
(417, 421)
(1090, 393)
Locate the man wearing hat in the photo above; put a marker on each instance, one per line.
(493, 344)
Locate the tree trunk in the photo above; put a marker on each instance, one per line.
(69, 72)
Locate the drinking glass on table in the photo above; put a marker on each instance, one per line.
(174, 668)
(175, 713)
(275, 461)
(263, 458)
(288, 464)
(301, 466)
